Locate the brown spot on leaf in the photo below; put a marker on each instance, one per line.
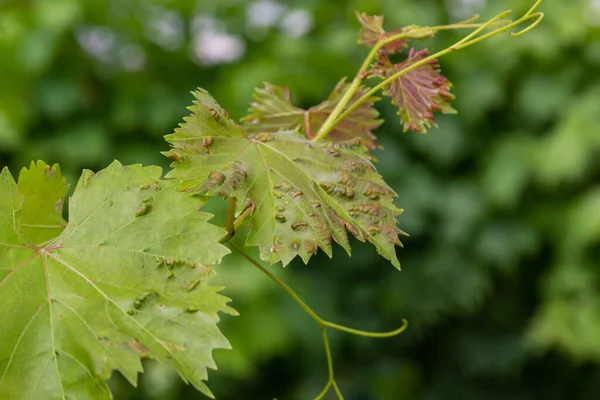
(346, 179)
(215, 178)
(373, 191)
(142, 210)
(174, 156)
(336, 189)
(299, 226)
(139, 348)
(173, 346)
(264, 137)
(193, 285)
(373, 210)
(310, 247)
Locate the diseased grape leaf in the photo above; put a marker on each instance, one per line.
(272, 111)
(419, 92)
(125, 280)
(43, 189)
(300, 193)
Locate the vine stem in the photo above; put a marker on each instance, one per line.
(323, 324)
(231, 222)
(330, 374)
(340, 111)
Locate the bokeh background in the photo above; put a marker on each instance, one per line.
(501, 273)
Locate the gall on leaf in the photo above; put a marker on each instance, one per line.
(372, 31)
(272, 111)
(419, 92)
(303, 194)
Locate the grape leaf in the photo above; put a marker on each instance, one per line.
(419, 92)
(125, 280)
(372, 31)
(300, 194)
(44, 190)
(273, 111)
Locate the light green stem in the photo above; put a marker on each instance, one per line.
(341, 111)
(232, 224)
(324, 391)
(330, 122)
(337, 390)
(323, 324)
(229, 220)
(330, 374)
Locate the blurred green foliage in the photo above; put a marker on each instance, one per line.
(501, 279)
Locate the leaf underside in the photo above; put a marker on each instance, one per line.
(125, 280)
(300, 194)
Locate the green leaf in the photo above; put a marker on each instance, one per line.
(417, 93)
(126, 279)
(300, 194)
(44, 190)
(273, 111)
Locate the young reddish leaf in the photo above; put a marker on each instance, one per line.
(272, 111)
(419, 92)
(300, 195)
(372, 32)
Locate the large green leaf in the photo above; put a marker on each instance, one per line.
(300, 193)
(126, 279)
